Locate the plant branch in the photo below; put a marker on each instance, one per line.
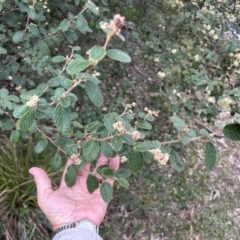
(50, 140)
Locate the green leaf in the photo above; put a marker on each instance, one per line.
(31, 13)
(65, 101)
(94, 93)
(54, 82)
(178, 123)
(203, 132)
(118, 55)
(18, 37)
(92, 7)
(123, 182)
(107, 150)
(77, 65)
(100, 168)
(144, 125)
(107, 172)
(93, 126)
(77, 124)
(12, 98)
(210, 155)
(43, 48)
(3, 50)
(90, 150)
(71, 175)
(42, 104)
(123, 173)
(41, 146)
(97, 53)
(62, 117)
(33, 127)
(232, 131)
(140, 147)
(127, 139)
(236, 119)
(82, 24)
(191, 133)
(3, 93)
(176, 161)
(58, 59)
(92, 183)
(56, 162)
(135, 161)
(14, 137)
(34, 30)
(117, 143)
(64, 25)
(106, 191)
(185, 138)
(150, 118)
(26, 121)
(108, 122)
(232, 47)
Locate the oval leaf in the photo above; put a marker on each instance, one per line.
(41, 145)
(135, 161)
(90, 150)
(3, 50)
(94, 93)
(62, 117)
(59, 59)
(118, 55)
(92, 183)
(232, 131)
(123, 182)
(56, 162)
(106, 192)
(117, 143)
(43, 48)
(65, 102)
(107, 150)
(107, 172)
(71, 175)
(210, 155)
(176, 161)
(123, 173)
(178, 123)
(77, 66)
(15, 135)
(97, 53)
(17, 37)
(26, 121)
(21, 111)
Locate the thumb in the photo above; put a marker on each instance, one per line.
(43, 183)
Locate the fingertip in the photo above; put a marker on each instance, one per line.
(114, 162)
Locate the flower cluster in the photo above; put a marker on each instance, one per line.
(75, 158)
(236, 59)
(32, 102)
(123, 159)
(161, 158)
(151, 112)
(224, 102)
(161, 74)
(209, 31)
(115, 24)
(119, 127)
(135, 135)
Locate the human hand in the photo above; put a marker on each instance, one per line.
(71, 204)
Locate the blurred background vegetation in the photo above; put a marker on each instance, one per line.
(160, 203)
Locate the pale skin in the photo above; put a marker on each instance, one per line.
(71, 204)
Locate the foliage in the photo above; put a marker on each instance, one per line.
(41, 55)
(20, 216)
